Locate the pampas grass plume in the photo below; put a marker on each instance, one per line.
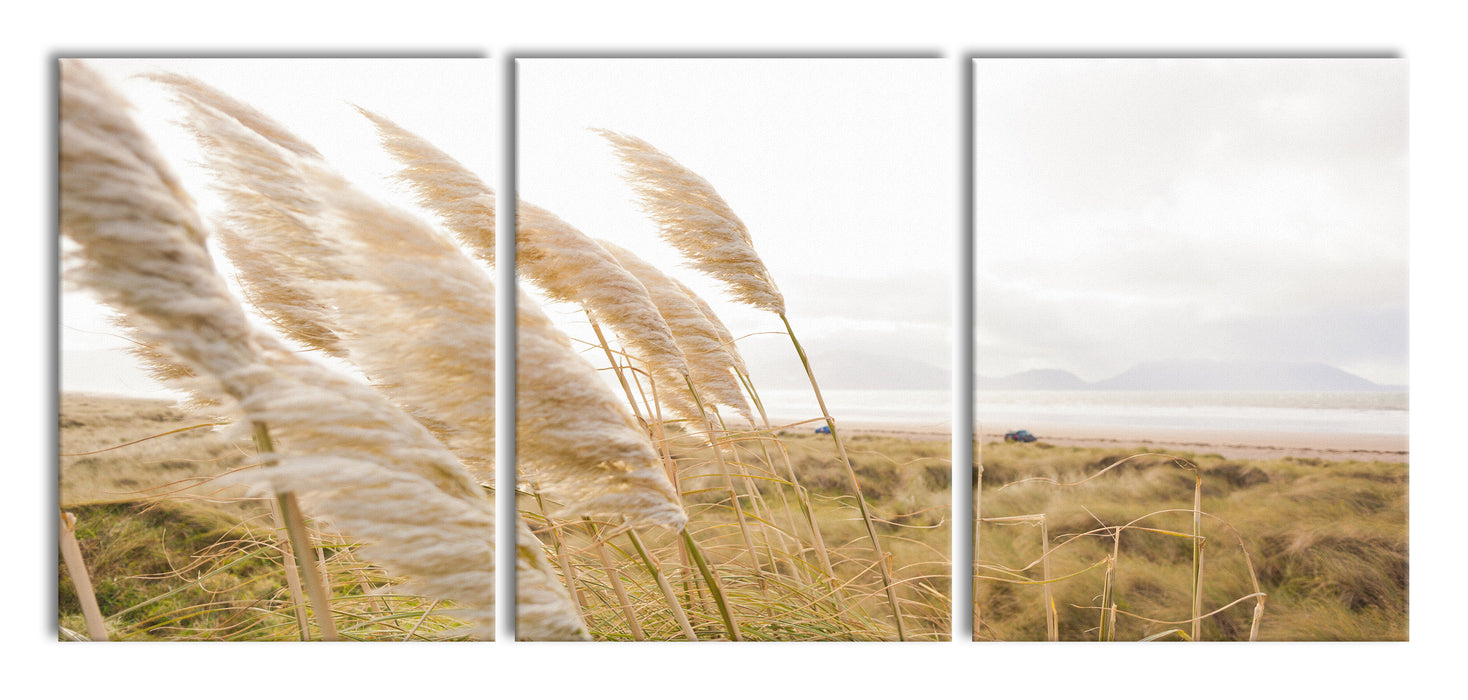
(358, 461)
(571, 267)
(693, 218)
(576, 439)
(443, 186)
(708, 360)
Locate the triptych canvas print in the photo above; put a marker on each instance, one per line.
(750, 349)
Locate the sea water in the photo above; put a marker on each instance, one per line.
(1369, 412)
(1384, 413)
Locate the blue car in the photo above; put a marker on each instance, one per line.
(1019, 436)
(823, 430)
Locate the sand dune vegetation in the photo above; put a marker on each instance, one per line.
(1089, 543)
(656, 499)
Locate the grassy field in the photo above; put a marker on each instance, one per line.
(174, 554)
(777, 589)
(1327, 542)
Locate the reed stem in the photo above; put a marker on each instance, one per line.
(1197, 552)
(71, 553)
(728, 479)
(292, 576)
(801, 496)
(978, 524)
(714, 588)
(295, 526)
(616, 368)
(616, 580)
(655, 568)
(1051, 626)
(866, 515)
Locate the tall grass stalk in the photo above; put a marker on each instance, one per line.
(292, 574)
(573, 583)
(1040, 521)
(664, 447)
(866, 516)
(1198, 543)
(71, 554)
(615, 579)
(1107, 628)
(1052, 629)
(715, 589)
(713, 442)
(764, 513)
(740, 370)
(802, 496)
(300, 544)
(978, 531)
(655, 569)
(601, 339)
(1258, 615)
(695, 219)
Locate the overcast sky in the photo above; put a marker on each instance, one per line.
(313, 98)
(844, 170)
(1125, 210)
(1129, 210)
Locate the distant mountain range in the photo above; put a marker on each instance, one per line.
(1195, 375)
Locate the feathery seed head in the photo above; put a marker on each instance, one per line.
(361, 462)
(709, 363)
(725, 337)
(345, 273)
(461, 200)
(576, 439)
(571, 267)
(693, 218)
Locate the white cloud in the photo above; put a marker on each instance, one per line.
(1128, 205)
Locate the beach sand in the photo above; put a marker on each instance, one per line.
(1233, 444)
(939, 432)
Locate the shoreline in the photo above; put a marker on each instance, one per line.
(1231, 444)
(931, 432)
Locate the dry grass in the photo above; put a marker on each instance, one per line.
(1326, 540)
(212, 554)
(781, 591)
(353, 456)
(175, 553)
(385, 464)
